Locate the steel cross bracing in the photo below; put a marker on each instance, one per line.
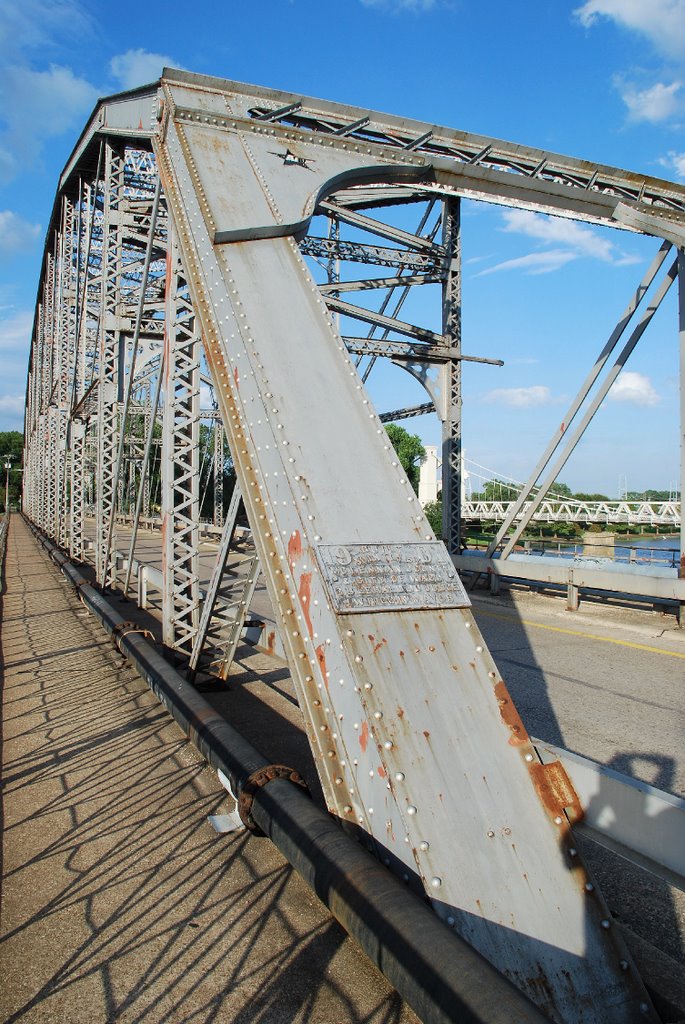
(417, 743)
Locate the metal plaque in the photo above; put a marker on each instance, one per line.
(390, 577)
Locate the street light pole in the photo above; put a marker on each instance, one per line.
(8, 466)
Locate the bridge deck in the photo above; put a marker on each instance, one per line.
(119, 902)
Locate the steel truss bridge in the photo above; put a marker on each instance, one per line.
(224, 268)
(642, 513)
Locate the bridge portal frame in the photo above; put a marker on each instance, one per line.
(364, 160)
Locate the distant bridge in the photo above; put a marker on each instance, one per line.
(634, 513)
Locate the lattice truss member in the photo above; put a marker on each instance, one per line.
(226, 271)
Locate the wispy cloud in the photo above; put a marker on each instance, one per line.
(398, 6)
(37, 105)
(29, 25)
(662, 22)
(12, 404)
(534, 262)
(634, 388)
(582, 239)
(138, 67)
(578, 240)
(674, 162)
(15, 330)
(16, 234)
(521, 398)
(654, 104)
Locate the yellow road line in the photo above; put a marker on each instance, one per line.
(587, 636)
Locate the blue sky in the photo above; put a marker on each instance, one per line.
(599, 79)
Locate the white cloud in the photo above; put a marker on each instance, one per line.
(138, 67)
(520, 398)
(654, 104)
(635, 388)
(30, 24)
(15, 331)
(674, 162)
(661, 21)
(16, 234)
(582, 239)
(13, 404)
(36, 105)
(534, 262)
(49, 102)
(396, 6)
(577, 240)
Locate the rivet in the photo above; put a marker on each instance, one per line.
(606, 923)
(479, 648)
(589, 887)
(378, 714)
(424, 846)
(368, 686)
(450, 921)
(436, 882)
(623, 964)
(388, 744)
(529, 757)
(358, 659)
(399, 776)
(338, 781)
(558, 820)
(490, 833)
(411, 809)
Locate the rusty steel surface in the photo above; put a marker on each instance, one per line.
(417, 742)
(405, 720)
(262, 777)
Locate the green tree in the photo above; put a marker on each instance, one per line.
(410, 451)
(559, 490)
(433, 512)
(11, 450)
(499, 490)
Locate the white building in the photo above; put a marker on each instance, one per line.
(430, 478)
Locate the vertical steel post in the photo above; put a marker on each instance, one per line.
(218, 517)
(108, 363)
(451, 379)
(180, 461)
(681, 325)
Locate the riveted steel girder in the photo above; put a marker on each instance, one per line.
(415, 736)
(417, 743)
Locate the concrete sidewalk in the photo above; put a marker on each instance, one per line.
(119, 902)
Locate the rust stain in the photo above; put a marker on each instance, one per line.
(304, 594)
(401, 654)
(400, 712)
(378, 645)
(364, 736)
(426, 734)
(294, 548)
(271, 641)
(381, 772)
(555, 790)
(510, 715)
(321, 658)
(236, 377)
